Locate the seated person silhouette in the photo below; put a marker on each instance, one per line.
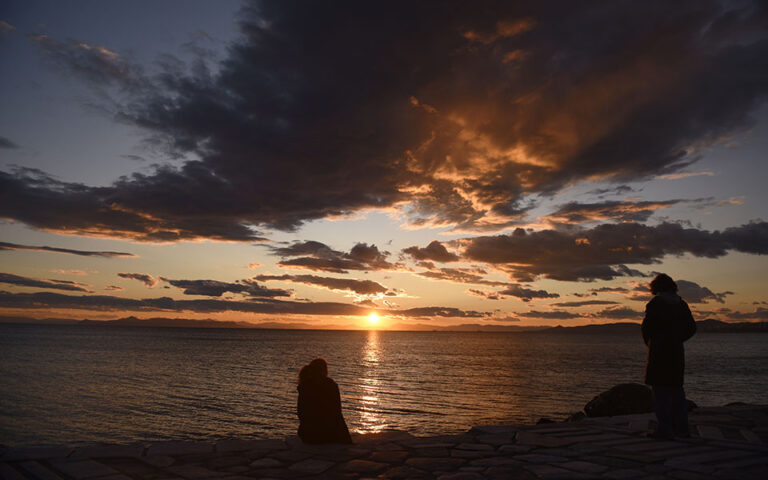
(319, 406)
(668, 323)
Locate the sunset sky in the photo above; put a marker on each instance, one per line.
(435, 163)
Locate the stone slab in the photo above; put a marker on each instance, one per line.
(494, 439)
(545, 471)
(434, 464)
(193, 472)
(583, 467)
(238, 445)
(479, 447)
(710, 431)
(712, 456)
(39, 471)
(266, 463)
(364, 466)
(80, 469)
(495, 429)
(177, 448)
(35, 453)
(624, 474)
(528, 438)
(311, 466)
(495, 462)
(389, 456)
(385, 436)
(108, 451)
(461, 476)
(159, 461)
(750, 436)
(7, 472)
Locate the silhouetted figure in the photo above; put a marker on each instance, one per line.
(319, 406)
(668, 323)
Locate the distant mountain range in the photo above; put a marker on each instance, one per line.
(709, 325)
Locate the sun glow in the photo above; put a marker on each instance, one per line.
(373, 319)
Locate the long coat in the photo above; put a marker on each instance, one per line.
(668, 323)
(320, 417)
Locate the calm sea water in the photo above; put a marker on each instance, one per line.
(78, 384)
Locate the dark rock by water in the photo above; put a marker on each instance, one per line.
(624, 399)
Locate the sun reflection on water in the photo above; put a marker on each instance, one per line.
(371, 420)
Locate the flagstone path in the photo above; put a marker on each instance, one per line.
(727, 443)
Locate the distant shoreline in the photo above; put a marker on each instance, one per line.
(703, 326)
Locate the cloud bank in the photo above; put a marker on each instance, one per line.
(325, 109)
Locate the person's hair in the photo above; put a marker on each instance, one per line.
(315, 370)
(663, 283)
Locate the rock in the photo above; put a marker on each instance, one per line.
(265, 463)
(461, 476)
(389, 456)
(363, 466)
(434, 464)
(576, 417)
(311, 466)
(624, 399)
(691, 405)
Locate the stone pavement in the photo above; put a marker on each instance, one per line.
(728, 442)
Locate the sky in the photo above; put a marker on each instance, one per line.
(382, 165)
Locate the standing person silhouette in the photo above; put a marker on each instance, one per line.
(667, 324)
(319, 406)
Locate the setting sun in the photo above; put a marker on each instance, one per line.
(374, 318)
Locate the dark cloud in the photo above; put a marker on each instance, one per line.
(135, 158)
(486, 294)
(584, 303)
(5, 143)
(600, 252)
(619, 313)
(551, 315)
(6, 28)
(43, 202)
(526, 294)
(439, 312)
(45, 300)
(618, 190)
(435, 251)
(461, 275)
(694, 293)
(92, 63)
(361, 287)
(458, 120)
(312, 255)
(760, 313)
(215, 288)
(631, 272)
(615, 211)
(18, 280)
(691, 292)
(83, 253)
(609, 290)
(113, 288)
(148, 280)
(476, 276)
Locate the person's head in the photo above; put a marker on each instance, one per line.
(663, 283)
(320, 366)
(315, 370)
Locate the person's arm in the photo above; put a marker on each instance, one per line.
(337, 398)
(301, 406)
(689, 323)
(647, 327)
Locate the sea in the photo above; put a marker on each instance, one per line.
(77, 384)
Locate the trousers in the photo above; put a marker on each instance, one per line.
(671, 410)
